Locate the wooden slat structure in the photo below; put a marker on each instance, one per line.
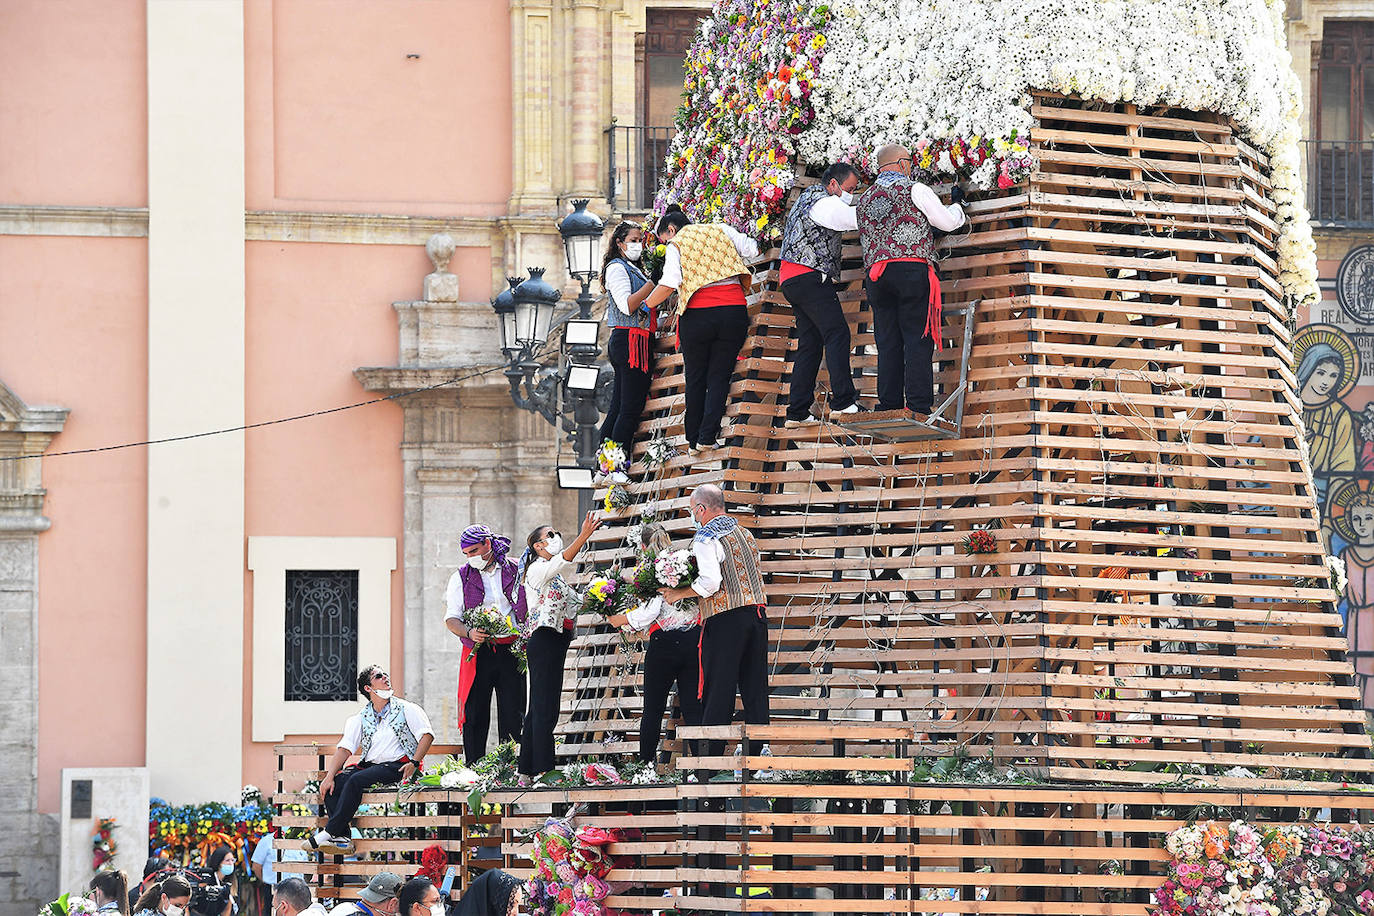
(1157, 609)
(1131, 441)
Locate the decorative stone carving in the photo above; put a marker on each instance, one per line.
(440, 286)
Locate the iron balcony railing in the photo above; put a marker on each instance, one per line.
(1340, 182)
(636, 156)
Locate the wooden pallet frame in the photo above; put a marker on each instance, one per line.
(1157, 603)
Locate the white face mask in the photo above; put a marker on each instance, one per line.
(437, 908)
(384, 694)
(479, 563)
(633, 250)
(554, 545)
(174, 910)
(846, 198)
(696, 522)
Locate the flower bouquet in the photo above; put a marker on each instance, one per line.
(617, 497)
(103, 846)
(612, 462)
(980, 540)
(488, 619)
(604, 596)
(571, 868)
(676, 568)
(68, 905)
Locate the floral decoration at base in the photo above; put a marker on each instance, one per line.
(571, 867)
(188, 834)
(1218, 869)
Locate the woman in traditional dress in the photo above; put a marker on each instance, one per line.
(552, 614)
(631, 324)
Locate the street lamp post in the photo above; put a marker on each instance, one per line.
(525, 317)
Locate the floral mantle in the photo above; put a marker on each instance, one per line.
(771, 83)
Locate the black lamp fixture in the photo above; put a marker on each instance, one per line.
(525, 319)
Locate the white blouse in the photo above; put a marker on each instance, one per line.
(551, 601)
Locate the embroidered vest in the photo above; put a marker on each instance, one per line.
(707, 255)
(890, 225)
(615, 318)
(741, 581)
(806, 242)
(396, 719)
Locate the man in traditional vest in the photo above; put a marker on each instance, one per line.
(810, 269)
(488, 577)
(390, 736)
(734, 628)
(706, 266)
(895, 217)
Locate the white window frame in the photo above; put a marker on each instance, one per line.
(268, 560)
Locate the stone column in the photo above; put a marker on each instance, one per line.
(588, 119)
(29, 841)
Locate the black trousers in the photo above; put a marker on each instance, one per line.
(710, 339)
(548, 653)
(900, 300)
(349, 786)
(671, 657)
(628, 395)
(821, 327)
(498, 673)
(734, 657)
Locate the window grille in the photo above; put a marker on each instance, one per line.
(321, 634)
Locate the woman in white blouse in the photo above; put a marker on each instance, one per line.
(553, 609)
(629, 348)
(673, 653)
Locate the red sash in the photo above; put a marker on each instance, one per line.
(935, 312)
(467, 673)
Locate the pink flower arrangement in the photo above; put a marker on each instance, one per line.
(570, 869)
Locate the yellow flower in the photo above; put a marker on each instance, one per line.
(818, 42)
(761, 222)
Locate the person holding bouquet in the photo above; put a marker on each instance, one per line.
(671, 656)
(734, 628)
(552, 615)
(629, 347)
(486, 610)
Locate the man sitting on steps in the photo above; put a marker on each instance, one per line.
(895, 217)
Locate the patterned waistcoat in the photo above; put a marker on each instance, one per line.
(806, 242)
(890, 225)
(741, 581)
(707, 255)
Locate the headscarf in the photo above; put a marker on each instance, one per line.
(476, 534)
(1317, 354)
(489, 895)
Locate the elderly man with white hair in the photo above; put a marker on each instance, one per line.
(734, 627)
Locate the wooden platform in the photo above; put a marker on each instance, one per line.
(1157, 609)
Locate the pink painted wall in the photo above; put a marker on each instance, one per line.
(75, 335)
(316, 312)
(73, 102)
(339, 119)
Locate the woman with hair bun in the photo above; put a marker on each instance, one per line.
(170, 896)
(111, 891)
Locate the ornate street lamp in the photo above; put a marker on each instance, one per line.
(525, 318)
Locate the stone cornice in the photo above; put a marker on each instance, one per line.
(108, 222)
(364, 228)
(393, 379)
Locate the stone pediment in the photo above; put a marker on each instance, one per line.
(18, 417)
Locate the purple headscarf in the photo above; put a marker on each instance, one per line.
(476, 534)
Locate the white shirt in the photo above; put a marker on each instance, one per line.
(348, 908)
(491, 581)
(833, 213)
(747, 248)
(264, 854)
(667, 615)
(618, 288)
(709, 554)
(548, 606)
(386, 747)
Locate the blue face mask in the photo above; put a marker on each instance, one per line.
(226, 868)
